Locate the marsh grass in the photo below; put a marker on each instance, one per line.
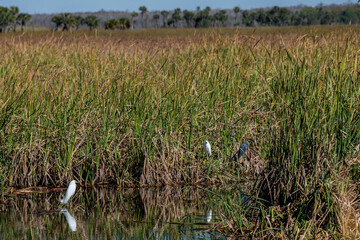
(314, 94)
(134, 108)
(138, 117)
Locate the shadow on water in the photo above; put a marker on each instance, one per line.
(161, 213)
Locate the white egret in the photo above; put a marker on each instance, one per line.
(207, 147)
(69, 219)
(208, 216)
(243, 148)
(70, 191)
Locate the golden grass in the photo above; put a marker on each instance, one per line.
(134, 107)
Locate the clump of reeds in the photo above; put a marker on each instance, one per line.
(133, 117)
(314, 95)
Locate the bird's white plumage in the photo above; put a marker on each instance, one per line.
(69, 219)
(70, 191)
(207, 147)
(208, 216)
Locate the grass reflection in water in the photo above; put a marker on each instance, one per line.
(161, 213)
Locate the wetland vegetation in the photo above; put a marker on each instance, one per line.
(133, 109)
(167, 213)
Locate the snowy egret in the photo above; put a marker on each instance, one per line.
(208, 216)
(243, 148)
(69, 219)
(207, 147)
(70, 191)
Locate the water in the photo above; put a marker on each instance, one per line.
(166, 213)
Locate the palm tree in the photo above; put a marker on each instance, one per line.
(142, 10)
(124, 23)
(5, 18)
(111, 24)
(176, 16)
(22, 18)
(68, 21)
(133, 16)
(14, 11)
(165, 14)
(203, 18)
(57, 20)
(78, 20)
(156, 18)
(220, 18)
(236, 11)
(189, 17)
(91, 21)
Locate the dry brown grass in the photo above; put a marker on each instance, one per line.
(134, 107)
(348, 199)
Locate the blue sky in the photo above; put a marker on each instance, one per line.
(57, 6)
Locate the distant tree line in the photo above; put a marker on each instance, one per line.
(199, 18)
(121, 23)
(11, 17)
(67, 21)
(277, 16)
(185, 18)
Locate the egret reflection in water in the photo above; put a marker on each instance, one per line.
(69, 219)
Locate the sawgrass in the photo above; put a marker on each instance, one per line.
(134, 107)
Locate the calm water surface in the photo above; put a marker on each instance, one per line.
(162, 213)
